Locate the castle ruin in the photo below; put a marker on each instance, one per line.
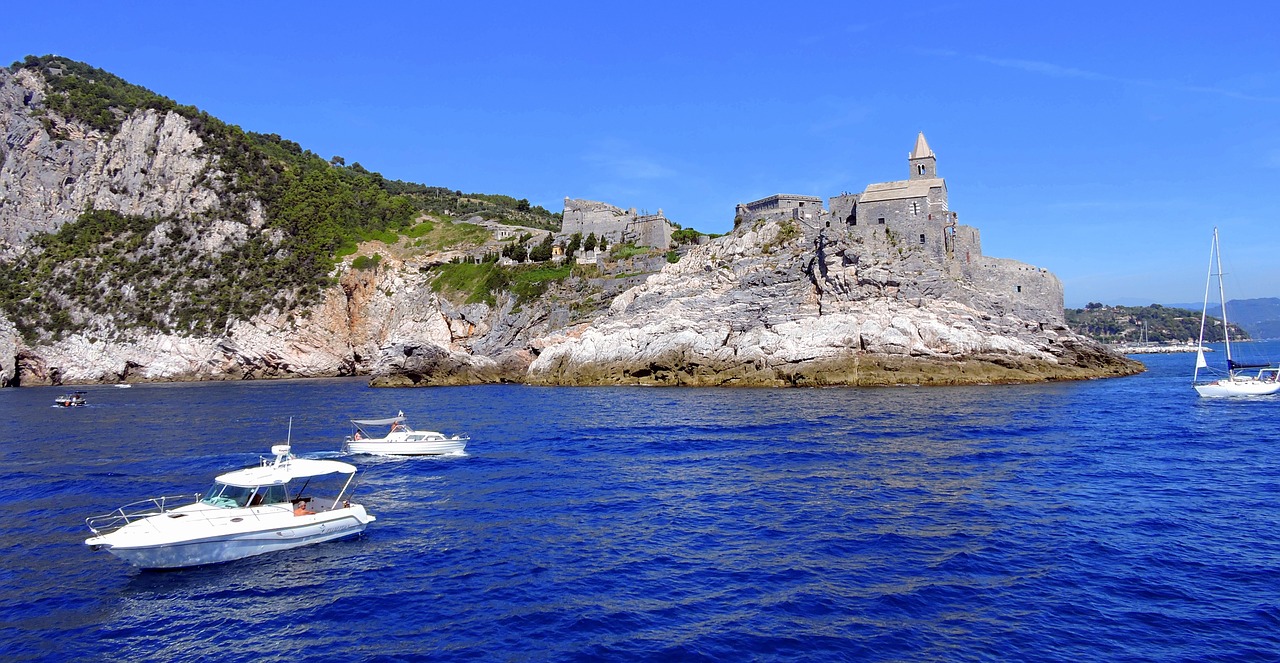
(913, 213)
(615, 224)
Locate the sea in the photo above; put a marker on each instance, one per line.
(1111, 520)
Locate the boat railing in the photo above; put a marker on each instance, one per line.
(110, 522)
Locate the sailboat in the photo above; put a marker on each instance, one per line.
(1239, 379)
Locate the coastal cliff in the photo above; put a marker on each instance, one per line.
(142, 244)
(755, 309)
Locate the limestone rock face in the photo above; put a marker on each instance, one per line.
(384, 322)
(9, 344)
(768, 305)
(151, 167)
(746, 310)
(759, 308)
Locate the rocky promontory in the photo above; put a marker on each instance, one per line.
(814, 311)
(187, 235)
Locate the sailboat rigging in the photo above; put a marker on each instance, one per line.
(1239, 379)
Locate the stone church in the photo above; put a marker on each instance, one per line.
(914, 214)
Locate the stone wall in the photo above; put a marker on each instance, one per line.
(966, 244)
(1031, 292)
(615, 224)
(779, 207)
(843, 209)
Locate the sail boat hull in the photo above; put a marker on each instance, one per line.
(1235, 382)
(1237, 387)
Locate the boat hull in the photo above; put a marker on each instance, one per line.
(1227, 388)
(408, 448)
(153, 543)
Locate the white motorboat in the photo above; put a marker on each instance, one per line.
(1239, 379)
(401, 439)
(282, 503)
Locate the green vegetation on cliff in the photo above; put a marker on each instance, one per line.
(472, 283)
(316, 211)
(99, 99)
(141, 273)
(1125, 324)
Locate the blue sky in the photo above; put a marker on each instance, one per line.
(1102, 141)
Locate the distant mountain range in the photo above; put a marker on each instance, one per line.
(1260, 317)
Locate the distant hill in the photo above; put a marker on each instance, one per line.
(1260, 317)
(1125, 324)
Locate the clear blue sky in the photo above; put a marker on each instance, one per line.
(1100, 140)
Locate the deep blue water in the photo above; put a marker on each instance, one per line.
(1115, 520)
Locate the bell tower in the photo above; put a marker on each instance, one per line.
(924, 166)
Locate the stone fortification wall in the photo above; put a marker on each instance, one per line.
(843, 209)
(587, 216)
(782, 206)
(1029, 290)
(966, 244)
(615, 224)
(652, 230)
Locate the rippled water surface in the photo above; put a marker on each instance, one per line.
(1109, 520)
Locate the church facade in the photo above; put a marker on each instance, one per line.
(914, 214)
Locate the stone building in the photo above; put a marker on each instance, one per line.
(615, 224)
(780, 206)
(914, 214)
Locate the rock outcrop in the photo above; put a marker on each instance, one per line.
(768, 305)
(153, 166)
(814, 311)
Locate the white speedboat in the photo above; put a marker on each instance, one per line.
(401, 439)
(1239, 379)
(282, 503)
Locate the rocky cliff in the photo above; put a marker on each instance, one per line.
(52, 168)
(759, 308)
(764, 306)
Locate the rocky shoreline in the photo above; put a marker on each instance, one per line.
(752, 309)
(787, 299)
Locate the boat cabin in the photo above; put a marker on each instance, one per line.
(320, 484)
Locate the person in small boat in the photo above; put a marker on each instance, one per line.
(395, 427)
(300, 508)
(358, 436)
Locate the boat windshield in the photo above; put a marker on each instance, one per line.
(226, 496)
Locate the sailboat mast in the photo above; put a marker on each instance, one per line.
(1204, 309)
(1222, 297)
